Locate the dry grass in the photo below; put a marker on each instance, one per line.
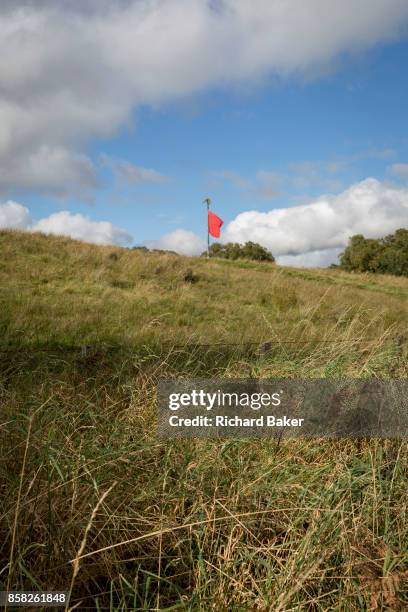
(195, 525)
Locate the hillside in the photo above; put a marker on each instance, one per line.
(56, 291)
(87, 332)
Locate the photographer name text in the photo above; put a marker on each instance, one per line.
(269, 420)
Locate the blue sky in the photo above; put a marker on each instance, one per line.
(280, 139)
(356, 117)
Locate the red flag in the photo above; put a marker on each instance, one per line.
(214, 224)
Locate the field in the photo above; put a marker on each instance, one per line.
(94, 503)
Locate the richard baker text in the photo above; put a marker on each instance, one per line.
(224, 421)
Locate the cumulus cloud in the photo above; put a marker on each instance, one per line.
(64, 223)
(81, 227)
(313, 259)
(370, 207)
(181, 241)
(14, 216)
(71, 71)
(130, 173)
(314, 234)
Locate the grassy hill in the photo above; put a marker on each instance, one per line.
(86, 333)
(56, 291)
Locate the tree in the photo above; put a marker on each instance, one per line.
(360, 254)
(234, 250)
(387, 255)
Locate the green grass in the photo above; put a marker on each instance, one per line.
(190, 525)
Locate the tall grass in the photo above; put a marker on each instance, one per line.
(93, 501)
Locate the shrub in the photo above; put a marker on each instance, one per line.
(234, 250)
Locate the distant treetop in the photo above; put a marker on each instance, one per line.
(234, 250)
(387, 255)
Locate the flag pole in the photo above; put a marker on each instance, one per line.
(208, 202)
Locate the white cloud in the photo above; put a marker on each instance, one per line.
(64, 223)
(126, 171)
(72, 71)
(369, 207)
(311, 235)
(181, 241)
(14, 216)
(81, 227)
(313, 259)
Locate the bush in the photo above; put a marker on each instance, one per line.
(387, 255)
(234, 250)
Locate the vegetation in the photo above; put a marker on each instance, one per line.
(387, 255)
(88, 331)
(234, 250)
